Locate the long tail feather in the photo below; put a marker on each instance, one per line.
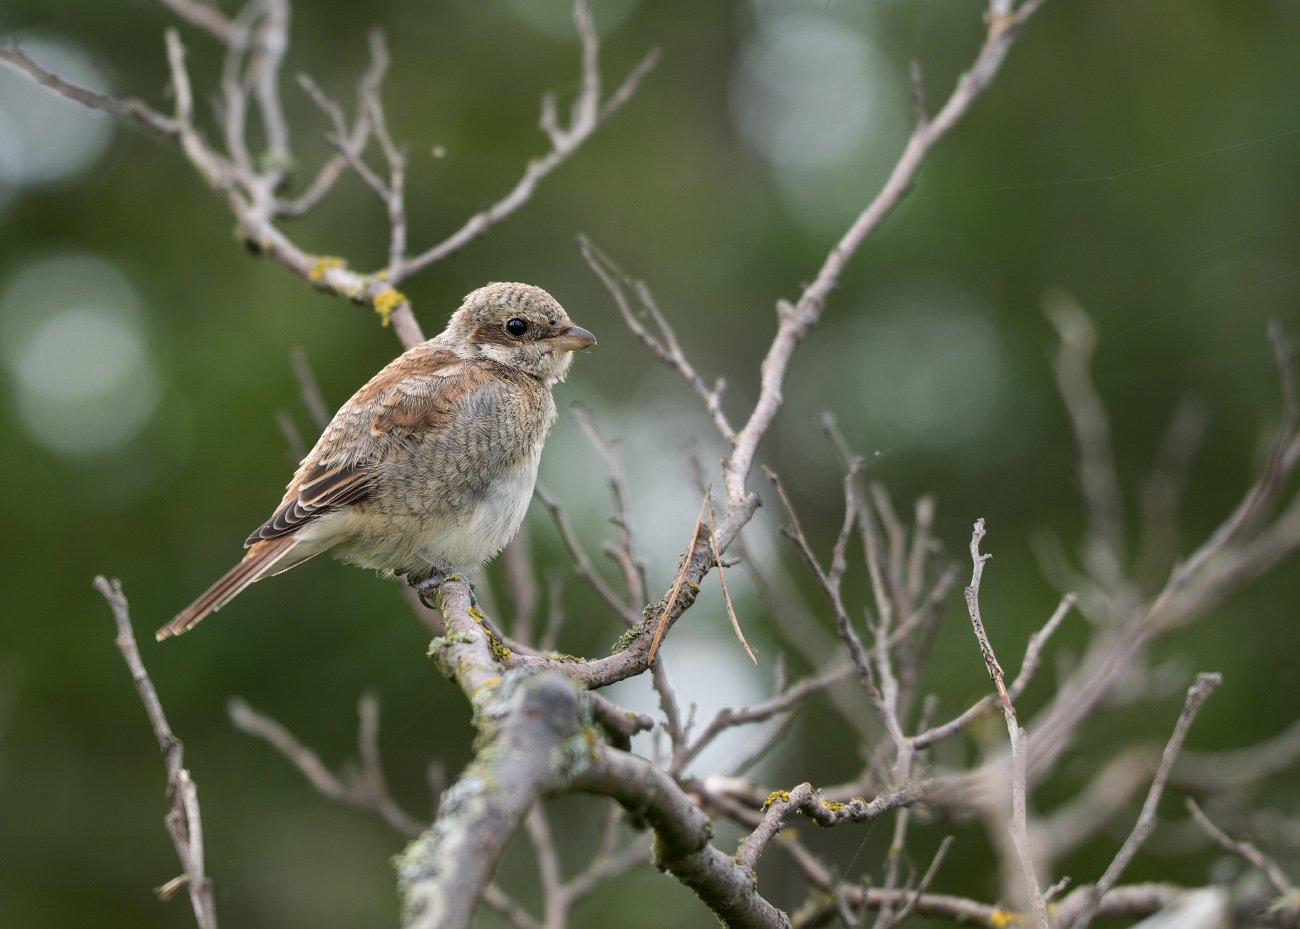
(260, 561)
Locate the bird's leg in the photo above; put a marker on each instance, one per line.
(427, 584)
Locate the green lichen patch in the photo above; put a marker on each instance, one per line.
(626, 639)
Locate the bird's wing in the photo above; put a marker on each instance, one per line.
(416, 396)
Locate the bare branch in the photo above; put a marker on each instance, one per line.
(548, 866)
(722, 582)
(1028, 667)
(1019, 826)
(662, 625)
(1226, 769)
(1164, 489)
(312, 398)
(624, 555)
(795, 320)
(501, 903)
(805, 800)
(582, 565)
(922, 885)
(1104, 551)
(794, 323)
(794, 532)
(525, 598)
(129, 110)
(366, 788)
(355, 141)
(343, 138)
(184, 822)
(663, 344)
(260, 35)
(1242, 547)
(1197, 694)
(785, 701)
(1131, 901)
(587, 116)
(1246, 850)
(206, 17)
(270, 42)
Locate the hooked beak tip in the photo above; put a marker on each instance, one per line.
(573, 339)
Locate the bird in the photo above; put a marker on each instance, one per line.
(429, 468)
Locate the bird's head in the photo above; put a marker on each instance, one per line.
(520, 326)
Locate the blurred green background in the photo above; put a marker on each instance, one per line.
(1141, 156)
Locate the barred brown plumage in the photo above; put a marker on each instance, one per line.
(429, 467)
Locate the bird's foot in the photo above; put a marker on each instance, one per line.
(426, 588)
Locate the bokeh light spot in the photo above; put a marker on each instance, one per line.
(60, 139)
(926, 369)
(821, 105)
(77, 353)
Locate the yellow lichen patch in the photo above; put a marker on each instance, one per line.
(491, 681)
(475, 614)
(500, 651)
(1001, 919)
(386, 301)
(324, 264)
(775, 796)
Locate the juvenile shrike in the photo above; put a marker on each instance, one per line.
(429, 468)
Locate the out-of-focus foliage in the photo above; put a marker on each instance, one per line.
(1141, 156)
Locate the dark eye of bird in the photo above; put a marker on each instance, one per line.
(516, 327)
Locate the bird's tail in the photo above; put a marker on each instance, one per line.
(262, 558)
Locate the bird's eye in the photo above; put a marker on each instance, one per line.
(516, 327)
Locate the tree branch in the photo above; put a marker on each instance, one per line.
(1197, 694)
(184, 822)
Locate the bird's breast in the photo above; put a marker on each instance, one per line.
(460, 494)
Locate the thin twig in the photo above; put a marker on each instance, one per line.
(1246, 850)
(582, 565)
(184, 822)
(624, 554)
(1104, 551)
(206, 17)
(521, 585)
(661, 626)
(663, 344)
(923, 884)
(796, 320)
(807, 801)
(1028, 667)
(129, 110)
(1019, 825)
(1197, 694)
(794, 532)
(588, 115)
(722, 581)
(366, 788)
(785, 701)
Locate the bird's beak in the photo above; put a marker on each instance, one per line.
(572, 339)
